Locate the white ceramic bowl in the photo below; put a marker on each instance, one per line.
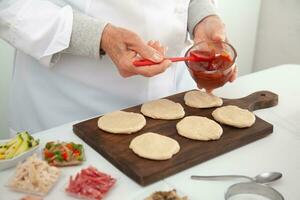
(5, 164)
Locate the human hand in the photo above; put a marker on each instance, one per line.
(212, 29)
(124, 47)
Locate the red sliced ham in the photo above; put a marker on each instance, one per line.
(90, 184)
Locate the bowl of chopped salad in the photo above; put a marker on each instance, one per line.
(63, 153)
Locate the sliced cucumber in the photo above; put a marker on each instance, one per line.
(12, 141)
(23, 147)
(12, 149)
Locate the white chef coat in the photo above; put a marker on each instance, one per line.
(78, 87)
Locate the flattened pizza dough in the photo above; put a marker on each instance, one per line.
(199, 99)
(122, 122)
(154, 146)
(199, 128)
(163, 109)
(234, 116)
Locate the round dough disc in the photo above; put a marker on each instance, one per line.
(154, 146)
(122, 122)
(199, 128)
(234, 116)
(199, 99)
(163, 109)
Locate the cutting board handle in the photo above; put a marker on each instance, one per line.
(259, 100)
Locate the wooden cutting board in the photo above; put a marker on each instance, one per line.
(115, 147)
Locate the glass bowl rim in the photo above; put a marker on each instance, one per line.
(222, 42)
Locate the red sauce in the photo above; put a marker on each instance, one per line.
(212, 73)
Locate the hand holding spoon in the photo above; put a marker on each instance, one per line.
(195, 56)
(266, 177)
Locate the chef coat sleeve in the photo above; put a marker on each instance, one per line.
(198, 10)
(83, 42)
(43, 29)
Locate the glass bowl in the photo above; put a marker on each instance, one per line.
(216, 72)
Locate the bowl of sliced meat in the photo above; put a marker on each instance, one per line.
(34, 176)
(90, 183)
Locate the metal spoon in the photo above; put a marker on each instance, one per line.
(266, 177)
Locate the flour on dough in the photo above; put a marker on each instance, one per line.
(234, 116)
(199, 128)
(122, 122)
(163, 109)
(154, 146)
(199, 99)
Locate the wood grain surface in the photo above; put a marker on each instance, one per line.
(115, 147)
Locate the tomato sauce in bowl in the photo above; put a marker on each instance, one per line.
(215, 71)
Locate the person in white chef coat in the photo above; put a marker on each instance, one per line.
(74, 57)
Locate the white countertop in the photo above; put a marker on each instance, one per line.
(279, 151)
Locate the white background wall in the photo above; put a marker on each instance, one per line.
(278, 36)
(6, 61)
(240, 17)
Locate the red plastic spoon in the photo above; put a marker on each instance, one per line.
(195, 56)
